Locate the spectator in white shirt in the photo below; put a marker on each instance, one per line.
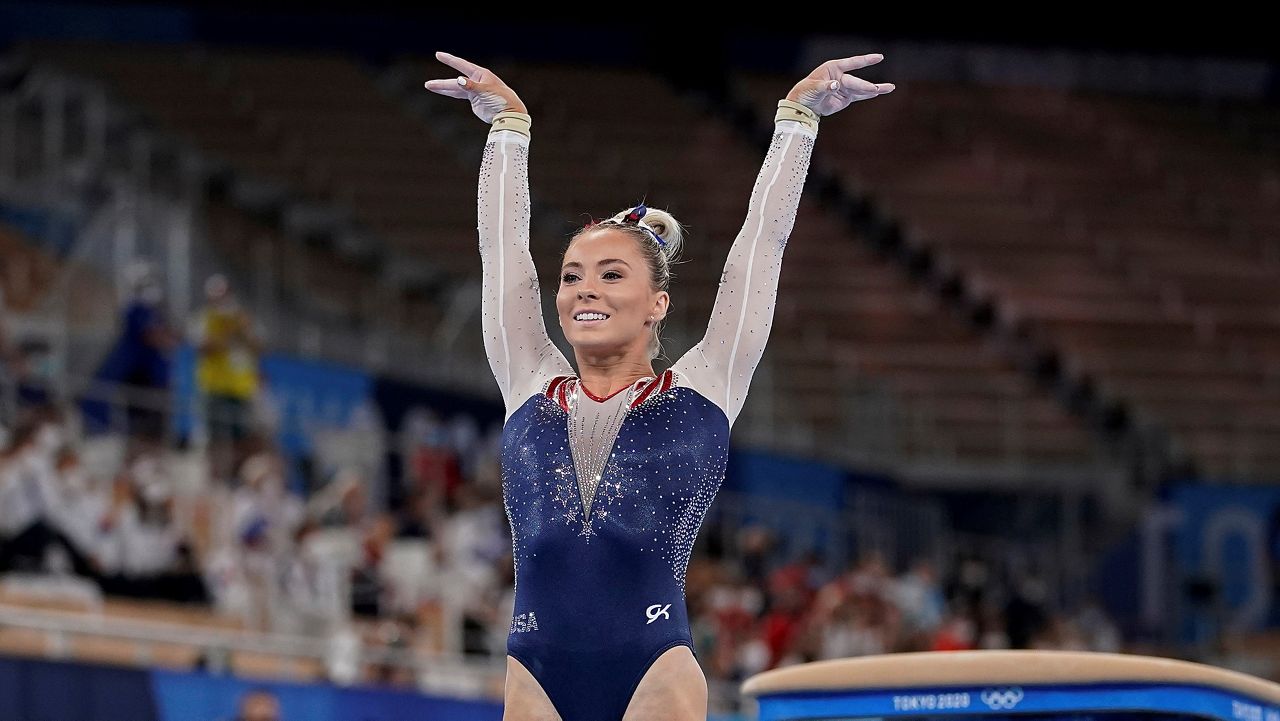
(29, 498)
(145, 550)
(264, 514)
(86, 500)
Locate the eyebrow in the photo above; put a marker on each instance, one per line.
(606, 261)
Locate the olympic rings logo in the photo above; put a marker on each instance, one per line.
(1001, 699)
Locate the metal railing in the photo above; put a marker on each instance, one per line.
(879, 429)
(288, 656)
(434, 672)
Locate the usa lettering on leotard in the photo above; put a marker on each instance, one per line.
(524, 622)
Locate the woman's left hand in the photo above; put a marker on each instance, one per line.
(830, 89)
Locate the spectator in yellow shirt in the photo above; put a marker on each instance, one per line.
(226, 372)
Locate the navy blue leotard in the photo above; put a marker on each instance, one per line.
(605, 495)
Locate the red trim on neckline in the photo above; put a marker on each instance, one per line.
(562, 395)
(597, 398)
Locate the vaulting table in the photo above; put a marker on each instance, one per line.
(996, 685)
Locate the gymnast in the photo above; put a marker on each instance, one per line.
(607, 472)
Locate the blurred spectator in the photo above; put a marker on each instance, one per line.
(473, 539)
(36, 382)
(754, 544)
(969, 582)
(867, 582)
(1059, 633)
(434, 469)
(368, 584)
(782, 625)
(419, 517)
(919, 595)
(1025, 614)
(8, 366)
(139, 361)
(799, 576)
(29, 500)
(852, 631)
(310, 585)
(264, 515)
(956, 632)
(228, 346)
(992, 628)
(259, 705)
(85, 500)
(1097, 629)
(157, 558)
(341, 503)
(26, 378)
(263, 519)
(396, 635)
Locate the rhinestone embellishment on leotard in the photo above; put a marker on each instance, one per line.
(591, 443)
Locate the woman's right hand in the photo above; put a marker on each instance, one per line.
(486, 91)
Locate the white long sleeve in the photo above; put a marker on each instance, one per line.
(720, 366)
(521, 355)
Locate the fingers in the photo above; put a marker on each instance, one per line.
(449, 87)
(845, 65)
(858, 85)
(466, 67)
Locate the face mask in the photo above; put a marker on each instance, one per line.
(151, 294)
(50, 438)
(438, 436)
(42, 365)
(272, 486)
(146, 471)
(311, 550)
(75, 479)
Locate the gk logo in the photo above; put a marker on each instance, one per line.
(655, 611)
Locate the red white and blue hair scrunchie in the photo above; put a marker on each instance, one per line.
(634, 217)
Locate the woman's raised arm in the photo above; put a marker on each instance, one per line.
(720, 366)
(521, 355)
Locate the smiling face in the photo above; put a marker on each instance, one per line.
(604, 271)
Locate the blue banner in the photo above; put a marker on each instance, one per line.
(32, 690)
(1227, 541)
(198, 697)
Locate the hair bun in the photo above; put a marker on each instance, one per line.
(666, 226)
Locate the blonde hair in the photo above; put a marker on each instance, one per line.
(659, 258)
